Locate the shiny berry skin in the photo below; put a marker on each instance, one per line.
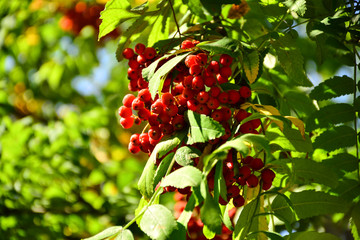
(225, 60)
(153, 120)
(157, 107)
(187, 82)
(188, 93)
(167, 128)
(171, 110)
(213, 67)
(190, 60)
(141, 59)
(154, 133)
(137, 104)
(203, 109)
(239, 201)
(127, 122)
(144, 138)
(245, 92)
(128, 53)
(214, 91)
(144, 114)
(133, 148)
(133, 63)
(187, 44)
(139, 48)
(221, 79)
(164, 117)
(149, 53)
(128, 99)
(267, 175)
(134, 139)
(202, 97)
(195, 69)
(198, 83)
(167, 99)
(246, 128)
(201, 59)
(125, 112)
(144, 95)
(252, 181)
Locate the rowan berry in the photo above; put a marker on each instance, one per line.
(128, 53)
(225, 60)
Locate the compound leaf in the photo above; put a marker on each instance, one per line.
(335, 138)
(125, 234)
(185, 155)
(224, 45)
(311, 236)
(333, 87)
(111, 231)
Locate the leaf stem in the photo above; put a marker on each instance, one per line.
(175, 20)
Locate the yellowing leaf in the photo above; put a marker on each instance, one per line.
(251, 66)
(265, 110)
(298, 123)
(263, 225)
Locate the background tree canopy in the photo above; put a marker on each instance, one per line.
(65, 170)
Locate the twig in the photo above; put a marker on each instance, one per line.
(173, 11)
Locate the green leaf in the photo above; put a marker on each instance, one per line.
(348, 189)
(311, 236)
(141, 8)
(335, 138)
(224, 45)
(160, 28)
(184, 156)
(111, 231)
(183, 177)
(291, 60)
(342, 162)
(142, 203)
(290, 140)
(310, 203)
(355, 217)
(158, 222)
(251, 65)
(270, 235)
(293, 98)
(137, 26)
(114, 14)
(331, 114)
(298, 6)
(246, 221)
(282, 209)
(210, 214)
(162, 168)
(196, 7)
(203, 128)
(333, 87)
(146, 182)
(308, 171)
(125, 234)
(156, 81)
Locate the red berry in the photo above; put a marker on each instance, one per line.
(217, 115)
(133, 86)
(267, 175)
(210, 81)
(149, 53)
(241, 115)
(167, 99)
(239, 201)
(128, 53)
(233, 191)
(153, 120)
(244, 172)
(226, 60)
(154, 133)
(139, 48)
(203, 109)
(144, 95)
(142, 84)
(190, 60)
(266, 185)
(127, 122)
(179, 77)
(246, 128)
(178, 122)
(133, 148)
(201, 59)
(213, 67)
(144, 114)
(213, 103)
(167, 128)
(202, 97)
(137, 104)
(144, 138)
(134, 139)
(188, 93)
(164, 117)
(223, 97)
(171, 110)
(245, 92)
(187, 44)
(221, 79)
(247, 160)
(192, 104)
(187, 82)
(226, 112)
(157, 107)
(133, 63)
(252, 181)
(141, 59)
(225, 72)
(214, 91)
(198, 83)
(195, 69)
(133, 74)
(256, 123)
(125, 112)
(234, 96)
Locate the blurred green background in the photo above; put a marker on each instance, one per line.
(63, 173)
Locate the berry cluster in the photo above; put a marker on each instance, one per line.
(248, 172)
(196, 84)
